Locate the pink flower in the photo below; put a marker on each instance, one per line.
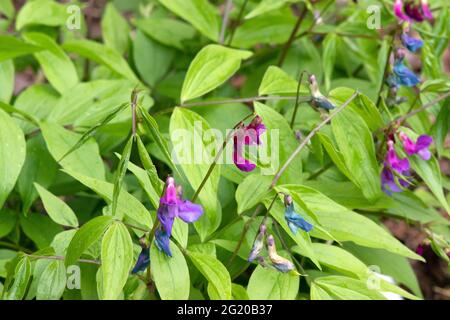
(398, 10)
(420, 147)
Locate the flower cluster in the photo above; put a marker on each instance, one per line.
(278, 262)
(247, 135)
(412, 10)
(396, 171)
(171, 206)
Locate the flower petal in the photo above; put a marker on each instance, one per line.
(143, 261)
(242, 163)
(189, 212)
(423, 142)
(404, 76)
(162, 241)
(411, 43)
(166, 215)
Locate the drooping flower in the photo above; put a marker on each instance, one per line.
(258, 244)
(400, 165)
(278, 262)
(392, 163)
(411, 43)
(420, 147)
(398, 10)
(403, 76)
(426, 10)
(293, 219)
(318, 100)
(414, 11)
(143, 260)
(247, 135)
(171, 206)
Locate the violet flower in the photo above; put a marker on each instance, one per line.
(411, 43)
(258, 244)
(414, 11)
(393, 164)
(172, 206)
(247, 135)
(388, 181)
(143, 260)
(278, 262)
(420, 147)
(293, 219)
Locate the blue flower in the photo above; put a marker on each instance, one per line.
(412, 44)
(162, 241)
(404, 76)
(293, 219)
(143, 260)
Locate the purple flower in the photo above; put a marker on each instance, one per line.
(403, 76)
(420, 249)
(293, 219)
(414, 11)
(172, 206)
(392, 164)
(278, 262)
(247, 135)
(143, 260)
(411, 43)
(400, 165)
(258, 244)
(398, 10)
(420, 147)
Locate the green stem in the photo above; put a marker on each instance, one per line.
(238, 22)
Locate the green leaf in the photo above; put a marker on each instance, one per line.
(330, 44)
(216, 274)
(32, 226)
(430, 173)
(12, 154)
(200, 13)
(39, 167)
(85, 237)
(52, 282)
(361, 105)
(442, 127)
(115, 29)
(286, 144)
(11, 47)
(269, 284)
(42, 12)
(270, 28)
(195, 159)
(267, 6)
(152, 129)
(120, 173)
(171, 274)
(150, 168)
(22, 276)
(57, 209)
(356, 145)
(7, 221)
(56, 65)
(117, 257)
(85, 160)
(239, 292)
(211, 67)
(277, 81)
(344, 288)
(346, 225)
(251, 191)
(102, 55)
(7, 80)
(170, 32)
(127, 205)
(151, 58)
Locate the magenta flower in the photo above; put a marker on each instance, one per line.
(420, 147)
(414, 11)
(172, 206)
(389, 181)
(247, 135)
(426, 10)
(393, 161)
(398, 10)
